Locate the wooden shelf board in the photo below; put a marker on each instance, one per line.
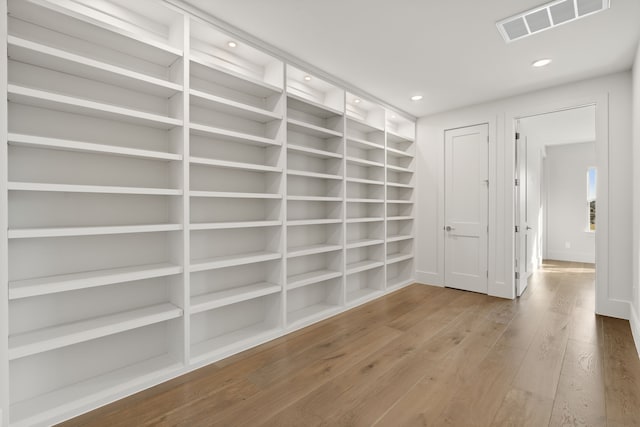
(365, 181)
(362, 125)
(313, 174)
(399, 238)
(394, 152)
(309, 106)
(225, 297)
(69, 282)
(25, 233)
(305, 279)
(313, 152)
(399, 185)
(314, 198)
(233, 260)
(50, 100)
(234, 195)
(207, 70)
(365, 200)
(230, 135)
(398, 257)
(87, 147)
(298, 222)
(364, 144)
(400, 202)
(299, 251)
(52, 58)
(358, 267)
(41, 409)
(97, 189)
(235, 224)
(361, 243)
(399, 169)
(313, 130)
(396, 283)
(357, 220)
(225, 343)
(46, 339)
(396, 137)
(364, 162)
(234, 165)
(227, 106)
(310, 313)
(400, 218)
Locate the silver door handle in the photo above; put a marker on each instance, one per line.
(529, 228)
(449, 228)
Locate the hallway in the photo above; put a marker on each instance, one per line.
(421, 356)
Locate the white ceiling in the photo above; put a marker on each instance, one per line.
(449, 51)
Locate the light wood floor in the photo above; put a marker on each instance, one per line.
(421, 356)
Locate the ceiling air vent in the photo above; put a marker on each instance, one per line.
(547, 16)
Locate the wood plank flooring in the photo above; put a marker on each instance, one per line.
(423, 356)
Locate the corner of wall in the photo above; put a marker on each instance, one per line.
(635, 327)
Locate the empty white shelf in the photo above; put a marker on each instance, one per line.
(227, 106)
(400, 202)
(311, 107)
(39, 410)
(370, 219)
(25, 233)
(305, 279)
(364, 162)
(297, 222)
(56, 59)
(397, 257)
(398, 168)
(233, 195)
(313, 130)
(313, 174)
(43, 99)
(235, 224)
(209, 131)
(363, 294)
(399, 237)
(98, 189)
(88, 147)
(399, 218)
(42, 340)
(239, 338)
(365, 200)
(364, 144)
(234, 165)
(218, 299)
(398, 282)
(69, 282)
(314, 198)
(393, 136)
(232, 260)
(361, 243)
(362, 125)
(210, 71)
(312, 250)
(393, 152)
(314, 152)
(312, 312)
(399, 185)
(365, 265)
(365, 181)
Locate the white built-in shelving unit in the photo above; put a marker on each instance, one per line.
(173, 200)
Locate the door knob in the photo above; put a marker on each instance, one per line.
(529, 228)
(449, 228)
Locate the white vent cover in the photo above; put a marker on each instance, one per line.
(547, 16)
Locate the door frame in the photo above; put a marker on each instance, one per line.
(603, 303)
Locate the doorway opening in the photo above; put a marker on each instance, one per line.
(556, 196)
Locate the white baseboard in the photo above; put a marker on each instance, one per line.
(635, 327)
(429, 278)
(571, 256)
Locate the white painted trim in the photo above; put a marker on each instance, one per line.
(570, 256)
(429, 278)
(635, 327)
(284, 56)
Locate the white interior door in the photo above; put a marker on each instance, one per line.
(523, 230)
(466, 208)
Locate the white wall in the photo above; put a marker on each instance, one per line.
(635, 321)
(612, 95)
(566, 202)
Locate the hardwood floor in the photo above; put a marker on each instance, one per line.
(421, 356)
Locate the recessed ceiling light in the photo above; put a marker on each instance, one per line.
(416, 97)
(393, 116)
(232, 44)
(307, 78)
(357, 101)
(541, 62)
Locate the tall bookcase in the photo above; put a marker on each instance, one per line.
(174, 196)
